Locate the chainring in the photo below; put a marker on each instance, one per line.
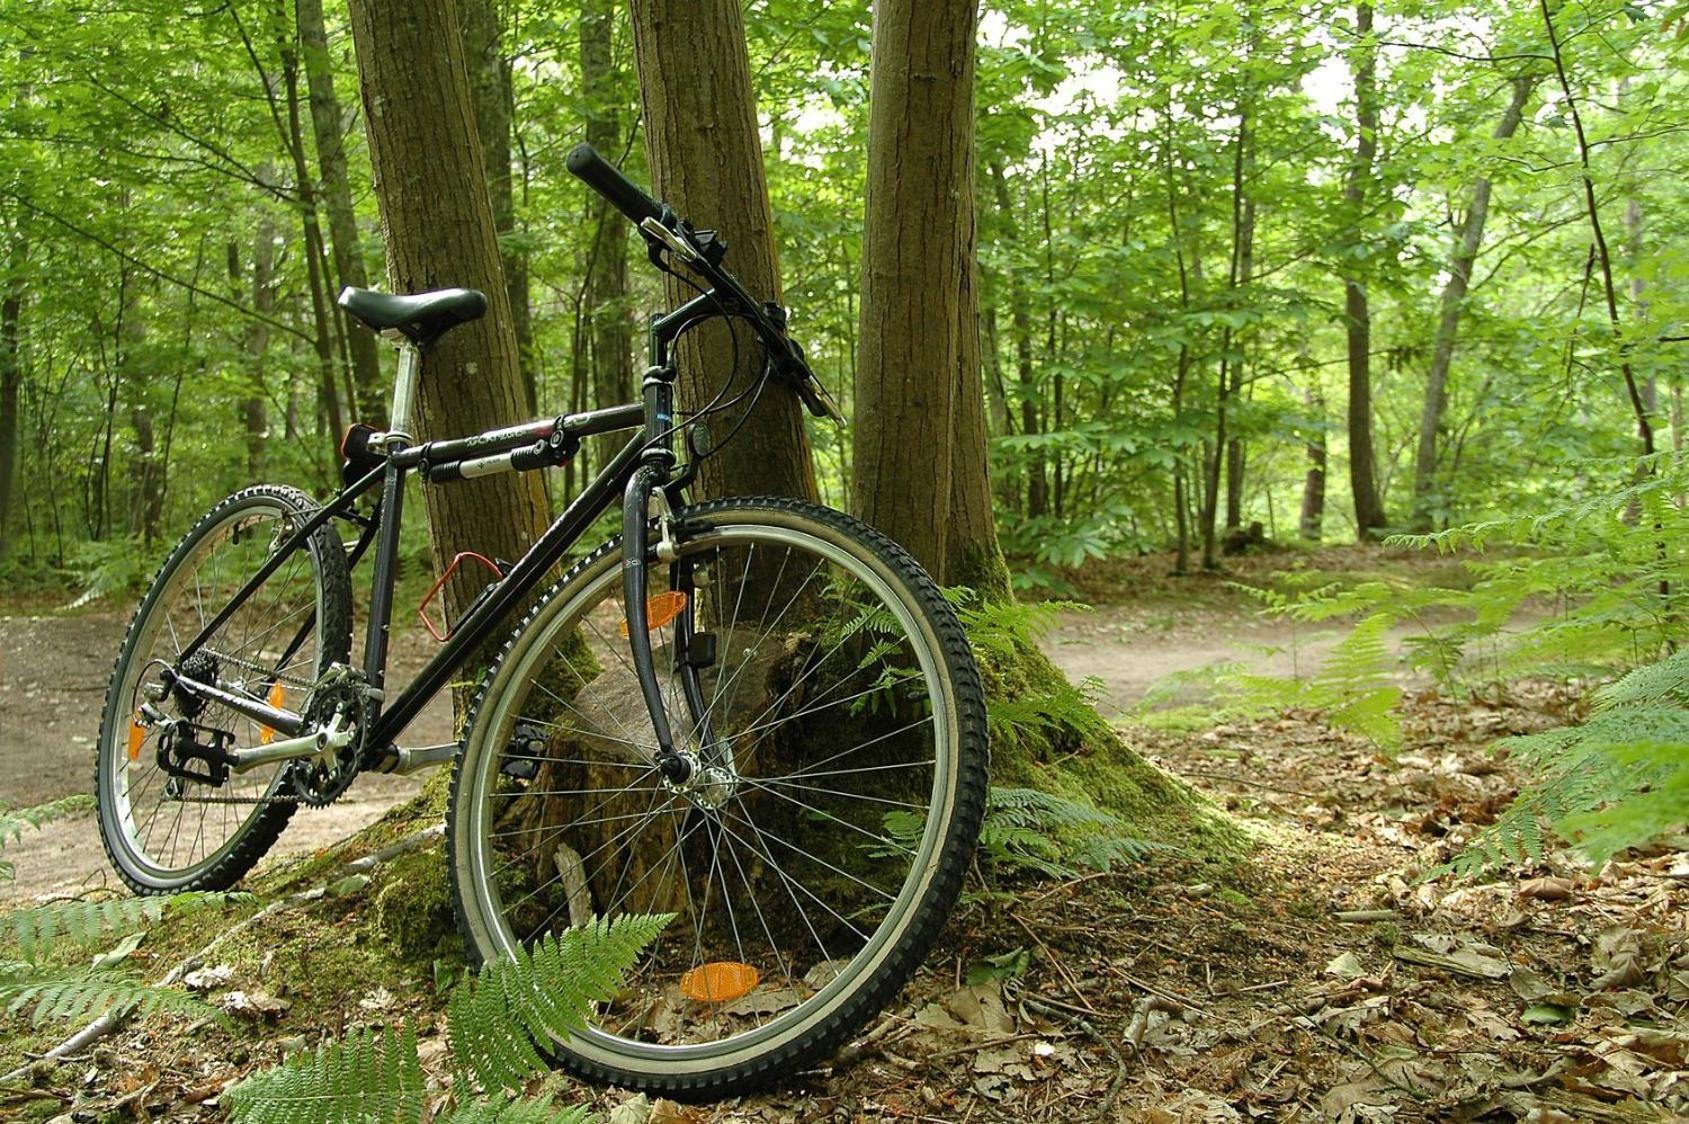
(317, 782)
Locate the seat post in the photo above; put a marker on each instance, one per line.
(404, 392)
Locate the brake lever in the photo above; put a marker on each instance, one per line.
(678, 246)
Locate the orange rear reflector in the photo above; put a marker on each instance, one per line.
(276, 698)
(137, 736)
(661, 609)
(719, 982)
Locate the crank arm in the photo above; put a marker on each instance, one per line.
(325, 741)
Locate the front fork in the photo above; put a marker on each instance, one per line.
(651, 481)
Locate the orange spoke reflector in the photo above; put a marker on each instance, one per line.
(278, 699)
(661, 609)
(719, 982)
(137, 736)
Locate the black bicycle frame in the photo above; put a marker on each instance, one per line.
(646, 463)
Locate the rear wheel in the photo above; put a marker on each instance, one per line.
(828, 695)
(164, 833)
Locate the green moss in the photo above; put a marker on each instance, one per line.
(411, 907)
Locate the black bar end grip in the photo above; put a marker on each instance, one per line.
(606, 179)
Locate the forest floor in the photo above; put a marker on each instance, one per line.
(1320, 980)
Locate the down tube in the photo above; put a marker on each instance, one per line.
(478, 626)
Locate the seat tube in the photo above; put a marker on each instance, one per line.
(381, 582)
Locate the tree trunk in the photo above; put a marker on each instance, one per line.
(706, 163)
(490, 86)
(253, 411)
(610, 336)
(920, 442)
(1313, 484)
(1020, 319)
(438, 223)
(1448, 324)
(915, 269)
(11, 377)
(327, 127)
(323, 333)
(1357, 314)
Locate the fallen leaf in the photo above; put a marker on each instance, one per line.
(1548, 889)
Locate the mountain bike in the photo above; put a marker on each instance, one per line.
(756, 714)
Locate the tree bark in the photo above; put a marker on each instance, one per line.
(914, 270)
(327, 128)
(609, 336)
(1357, 314)
(11, 376)
(1312, 522)
(432, 190)
(706, 162)
(1448, 323)
(490, 86)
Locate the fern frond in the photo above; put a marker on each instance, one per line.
(1645, 686)
(77, 993)
(37, 928)
(15, 821)
(370, 1076)
(540, 994)
(1051, 835)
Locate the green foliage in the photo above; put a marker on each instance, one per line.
(372, 1075)
(79, 993)
(37, 929)
(540, 993)
(495, 1019)
(1352, 688)
(1025, 829)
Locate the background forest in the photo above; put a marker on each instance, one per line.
(1329, 268)
(1260, 287)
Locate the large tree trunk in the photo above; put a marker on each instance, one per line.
(11, 377)
(706, 163)
(609, 334)
(1357, 313)
(327, 127)
(439, 231)
(490, 86)
(1448, 323)
(916, 245)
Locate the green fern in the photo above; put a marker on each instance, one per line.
(1353, 687)
(494, 1019)
(79, 993)
(538, 994)
(373, 1076)
(38, 928)
(1052, 835)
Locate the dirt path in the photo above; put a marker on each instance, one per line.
(54, 670)
(53, 676)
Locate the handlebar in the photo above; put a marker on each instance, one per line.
(606, 179)
(627, 197)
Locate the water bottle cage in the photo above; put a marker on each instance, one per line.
(443, 632)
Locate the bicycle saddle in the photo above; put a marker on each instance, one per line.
(422, 317)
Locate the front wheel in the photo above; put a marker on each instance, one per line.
(825, 692)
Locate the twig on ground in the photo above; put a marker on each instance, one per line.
(1359, 916)
(1105, 1111)
(1055, 962)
